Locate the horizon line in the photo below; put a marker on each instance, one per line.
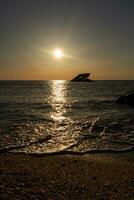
(63, 80)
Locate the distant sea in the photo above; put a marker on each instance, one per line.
(42, 117)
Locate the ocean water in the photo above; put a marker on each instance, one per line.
(53, 117)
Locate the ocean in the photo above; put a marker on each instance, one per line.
(57, 117)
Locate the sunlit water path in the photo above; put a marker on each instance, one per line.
(61, 116)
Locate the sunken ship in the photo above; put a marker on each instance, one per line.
(82, 78)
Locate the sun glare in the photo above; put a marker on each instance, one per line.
(58, 53)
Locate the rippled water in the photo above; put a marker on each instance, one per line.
(62, 116)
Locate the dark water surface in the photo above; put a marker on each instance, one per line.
(55, 116)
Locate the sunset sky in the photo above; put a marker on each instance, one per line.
(95, 36)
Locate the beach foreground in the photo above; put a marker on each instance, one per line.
(94, 176)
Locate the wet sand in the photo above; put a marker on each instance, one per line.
(93, 176)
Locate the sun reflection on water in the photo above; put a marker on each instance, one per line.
(58, 100)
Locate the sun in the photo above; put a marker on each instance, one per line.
(58, 53)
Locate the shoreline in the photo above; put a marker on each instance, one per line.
(101, 176)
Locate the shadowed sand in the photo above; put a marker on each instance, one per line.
(94, 176)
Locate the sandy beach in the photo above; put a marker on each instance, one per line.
(93, 176)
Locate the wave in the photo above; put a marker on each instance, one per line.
(64, 152)
(15, 147)
(27, 104)
(68, 150)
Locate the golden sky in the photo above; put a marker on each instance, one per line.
(95, 36)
